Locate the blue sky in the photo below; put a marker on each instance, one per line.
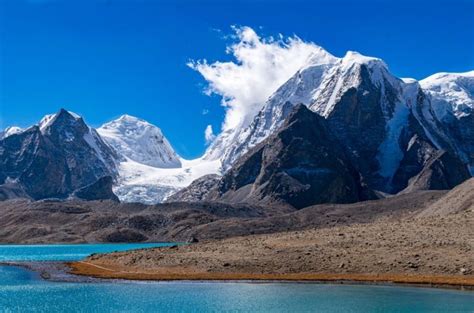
(102, 59)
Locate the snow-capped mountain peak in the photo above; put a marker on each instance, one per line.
(68, 127)
(140, 141)
(318, 57)
(355, 57)
(149, 168)
(451, 92)
(50, 119)
(319, 84)
(11, 130)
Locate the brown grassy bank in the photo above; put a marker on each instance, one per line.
(113, 272)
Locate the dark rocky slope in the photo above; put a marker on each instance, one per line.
(441, 171)
(99, 190)
(302, 164)
(197, 191)
(22, 221)
(55, 158)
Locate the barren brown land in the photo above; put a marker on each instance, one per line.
(428, 250)
(421, 237)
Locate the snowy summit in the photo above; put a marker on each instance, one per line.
(140, 141)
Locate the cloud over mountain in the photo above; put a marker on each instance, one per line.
(209, 134)
(259, 67)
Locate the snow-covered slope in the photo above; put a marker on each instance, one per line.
(450, 93)
(11, 130)
(139, 141)
(147, 184)
(149, 169)
(450, 110)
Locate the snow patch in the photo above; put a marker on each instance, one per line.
(148, 184)
(91, 137)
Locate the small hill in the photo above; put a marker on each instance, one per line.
(457, 200)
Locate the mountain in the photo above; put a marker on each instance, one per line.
(374, 114)
(54, 158)
(231, 144)
(302, 164)
(12, 130)
(139, 141)
(452, 106)
(451, 93)
(318, 85)
(396, 134)
(149, 170)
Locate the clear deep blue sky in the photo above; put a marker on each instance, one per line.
(105, 58)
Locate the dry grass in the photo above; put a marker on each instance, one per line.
(166, 274)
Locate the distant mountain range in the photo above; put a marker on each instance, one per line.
(361, 133)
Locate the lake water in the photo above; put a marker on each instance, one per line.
(23, 291)
(69, 252)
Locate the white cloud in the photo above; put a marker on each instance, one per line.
(260, 66)
(209, 134)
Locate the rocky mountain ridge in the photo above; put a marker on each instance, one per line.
(373, 113)
(54, 158)
(391, 131)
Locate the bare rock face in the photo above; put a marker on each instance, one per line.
(302, 164)
(462, 129)
(56, 157)
(100, 190)
(442, 171)
(358, 121)
(197, 191)
(12, 191)
(125, 235)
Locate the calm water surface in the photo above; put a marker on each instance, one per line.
(72, 252)
(24, 291)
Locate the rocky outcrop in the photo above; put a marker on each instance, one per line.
(442, 171)
(197, 191)
(124, 235)
(12, 190)
(302, 164)
(100, 190)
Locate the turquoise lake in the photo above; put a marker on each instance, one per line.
(68, 252)
(23, 291)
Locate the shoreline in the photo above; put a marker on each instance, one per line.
(81, 272)
(86, 269)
